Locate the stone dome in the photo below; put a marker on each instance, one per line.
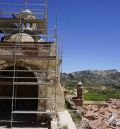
(23, 37)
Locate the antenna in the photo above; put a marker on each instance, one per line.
(62, 50)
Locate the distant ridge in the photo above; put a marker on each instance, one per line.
(104, 77)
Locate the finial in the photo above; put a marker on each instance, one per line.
(79, 83)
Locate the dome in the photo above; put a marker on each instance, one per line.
(23, 37)
(79, 83)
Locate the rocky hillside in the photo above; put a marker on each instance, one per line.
(109, 78)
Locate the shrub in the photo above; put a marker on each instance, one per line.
(65, 127)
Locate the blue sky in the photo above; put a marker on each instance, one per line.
(91, 31)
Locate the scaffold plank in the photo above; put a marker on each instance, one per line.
(26, 83)
(46, 71)
(28, 57)
(31, 112)
(27, 77)
(17, 20)
(26, 98)
(3, 43)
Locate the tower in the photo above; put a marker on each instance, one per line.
(29, 64)
(79, 100)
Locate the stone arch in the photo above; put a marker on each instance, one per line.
(22, 91)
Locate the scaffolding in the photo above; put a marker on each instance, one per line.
(28, 59)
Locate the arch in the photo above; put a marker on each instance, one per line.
(21, 91)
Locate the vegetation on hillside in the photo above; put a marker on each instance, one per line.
(93, 90)
(101, 95)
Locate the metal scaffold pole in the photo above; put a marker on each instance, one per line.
(14, 91)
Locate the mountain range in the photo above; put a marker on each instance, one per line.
(109, 78)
